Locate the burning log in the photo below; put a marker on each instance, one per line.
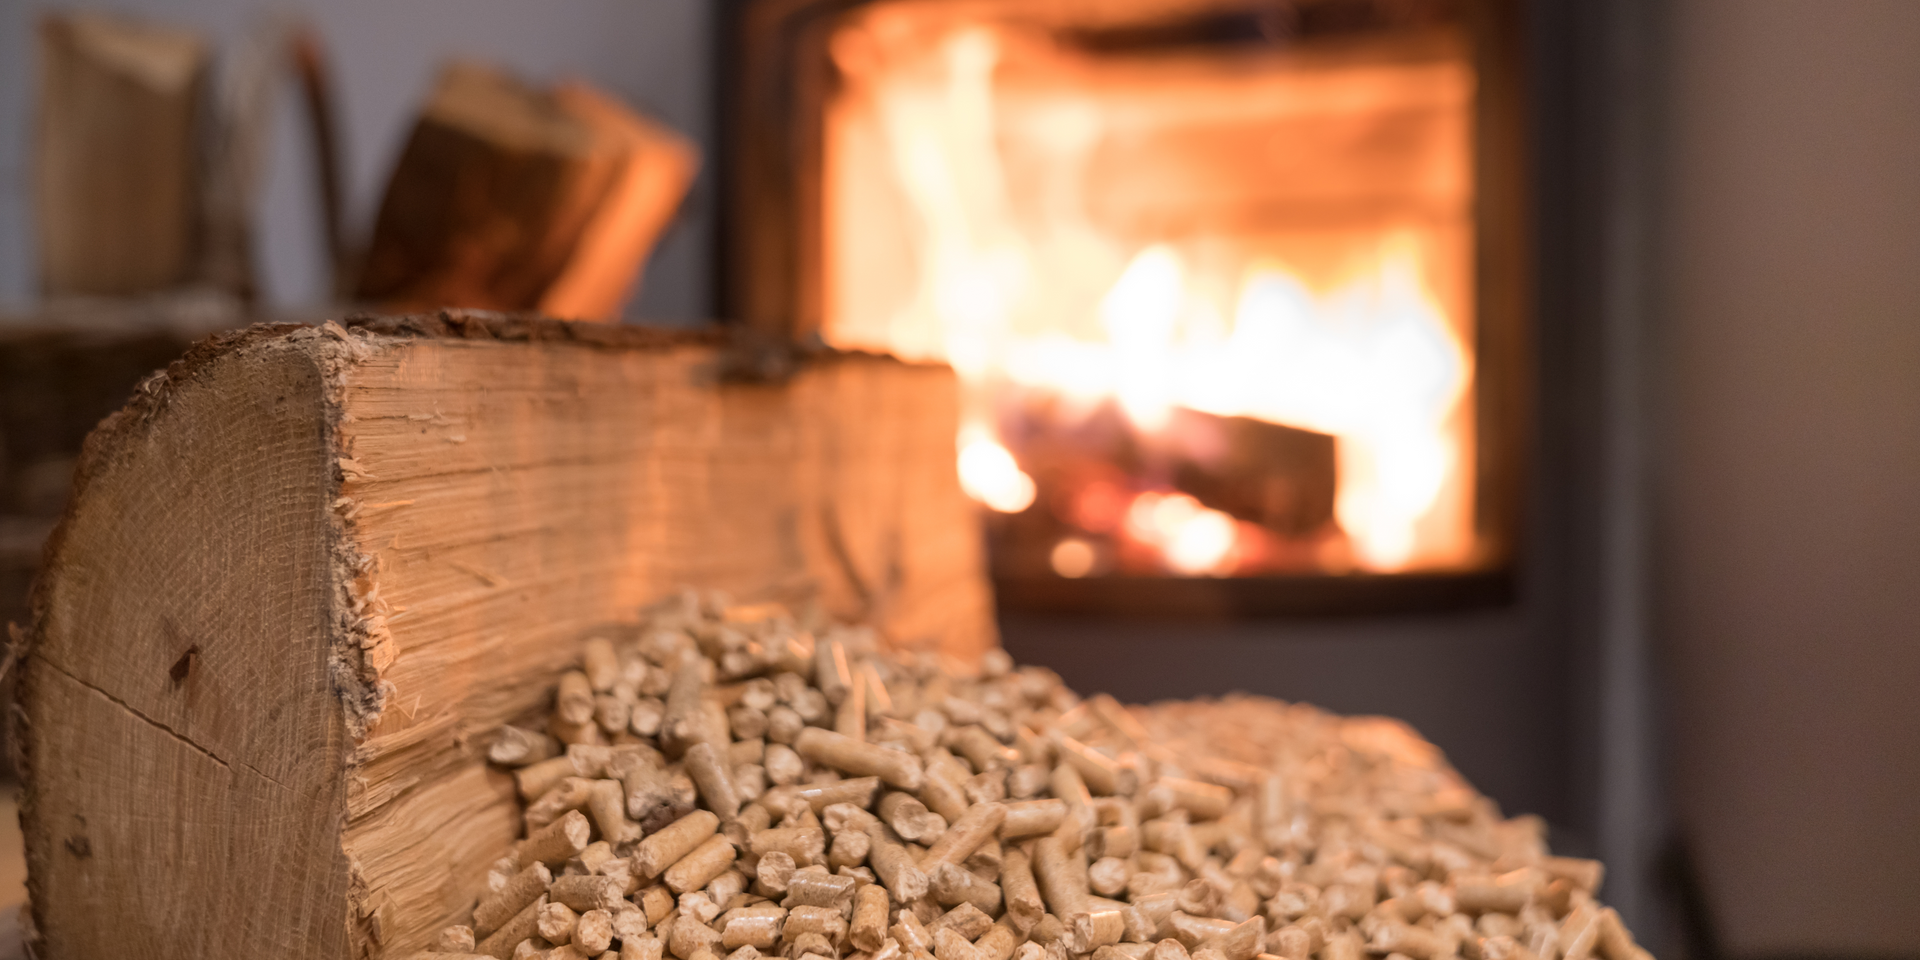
(309, 571)
(1092, 471)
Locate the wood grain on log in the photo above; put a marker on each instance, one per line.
(305, 571)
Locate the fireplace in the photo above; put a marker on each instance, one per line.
(1233, 289)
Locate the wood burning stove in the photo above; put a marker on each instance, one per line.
(1234, 289)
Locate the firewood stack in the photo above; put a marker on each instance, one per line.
(724, 782)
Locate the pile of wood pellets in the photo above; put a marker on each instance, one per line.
(723, 784)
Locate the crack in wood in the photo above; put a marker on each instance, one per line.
(169, 731)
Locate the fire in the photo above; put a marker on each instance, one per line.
(1141, 315)
(989, 474)
(1006, 274)
(1194, 539)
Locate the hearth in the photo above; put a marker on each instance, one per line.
(1233, 289)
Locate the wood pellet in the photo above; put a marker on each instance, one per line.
(724, 782)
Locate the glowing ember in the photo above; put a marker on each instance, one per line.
(964, 223)
(1194, 539)
(1073, 558)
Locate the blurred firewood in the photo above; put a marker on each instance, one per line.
(656, 168)
(510, 198)
(116, 154)
(487, 200)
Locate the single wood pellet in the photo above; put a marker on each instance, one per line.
(522, 889)
(724, 783)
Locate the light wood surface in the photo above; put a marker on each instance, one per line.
(308, 572)
(13, 875)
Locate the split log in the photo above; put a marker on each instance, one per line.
(657, 167)
(305, 571)
(512, 198)
(117, 154)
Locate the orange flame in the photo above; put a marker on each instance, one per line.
(1030, 291)
(989, 474)
(1194, 539)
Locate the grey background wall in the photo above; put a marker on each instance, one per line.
(654, 53)
(1790, 513)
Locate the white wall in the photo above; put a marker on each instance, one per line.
(1791, 514)
(652, 52)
